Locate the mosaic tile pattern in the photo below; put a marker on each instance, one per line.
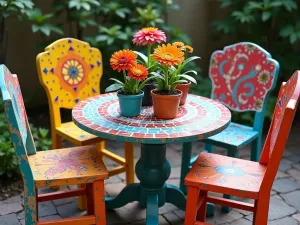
(198, 119)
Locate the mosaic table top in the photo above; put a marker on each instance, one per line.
(199, 118)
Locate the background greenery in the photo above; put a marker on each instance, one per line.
(272, 24)
(9, 166)
(107, 25)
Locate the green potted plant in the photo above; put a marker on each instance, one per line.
(166, 97)
(148, 37)
(184, 87)
(130, 92)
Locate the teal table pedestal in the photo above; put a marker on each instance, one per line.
(152, 169)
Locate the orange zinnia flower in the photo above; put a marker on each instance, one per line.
(138, 72)
(123, 60)
(168, 55)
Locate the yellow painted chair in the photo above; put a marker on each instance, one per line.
(70, 71)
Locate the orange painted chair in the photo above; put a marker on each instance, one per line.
(70, 71)
(79, 165)
(242, 178)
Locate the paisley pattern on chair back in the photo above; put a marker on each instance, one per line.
(70, 70)
(242, 75)
(13, 88)
(285, 95)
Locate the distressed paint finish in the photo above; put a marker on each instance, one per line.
(67, 166)
(42, 169)
(244, 178)
(242, 75)
(70, 70)
(21, 137)
(198, 119)
(236, 135)
(228, 175)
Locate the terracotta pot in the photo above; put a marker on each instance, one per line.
(185, 90)
(165, 106)
(147, 99)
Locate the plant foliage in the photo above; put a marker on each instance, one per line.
(9, 166)
(272, 24)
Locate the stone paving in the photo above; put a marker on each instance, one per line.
(284, 207)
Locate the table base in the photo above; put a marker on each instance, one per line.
(152, 169)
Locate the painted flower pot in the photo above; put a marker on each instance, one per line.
(165, 106)
(185, 90)
(147, 99)
(130, 105)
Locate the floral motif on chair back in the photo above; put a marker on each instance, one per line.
(70, 70)
(242, 75)
(285, 95)
(10, 85)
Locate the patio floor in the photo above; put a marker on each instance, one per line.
(284, 209)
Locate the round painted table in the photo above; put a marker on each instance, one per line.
(199, 118)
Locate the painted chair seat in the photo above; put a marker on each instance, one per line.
(67, 166)
(223, 174)
(236, 135)
(73, 133)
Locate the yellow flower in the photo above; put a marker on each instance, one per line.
(178, 44)
(188, 48)
(72, 72)
(168, 55)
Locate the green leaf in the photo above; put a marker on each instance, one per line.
(117, 81)
(189, 60)
(191, 71)
(100, 38)
(144, 57)
(114, 87)
(287, 30)
(293, 38)
(266, 15)
(187, 77)
(86, 6)
(158, 75)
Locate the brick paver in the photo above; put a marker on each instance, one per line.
(284, 209)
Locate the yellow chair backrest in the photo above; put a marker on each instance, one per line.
(70, 71)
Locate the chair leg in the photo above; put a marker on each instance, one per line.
(201, 215)
(90, 199)
(255, 149)
(56, 144)
(100, 147)
(209, 148)
(232, 152)
(260, 216)
(191, 206)
(99, 202)
(129, 164)
(82, 202)
(30, 204)
(185, 164)
(56, 141)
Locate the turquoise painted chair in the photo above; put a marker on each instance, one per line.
(242, 76)
(60, 167)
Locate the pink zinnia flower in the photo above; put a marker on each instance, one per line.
(149, 35)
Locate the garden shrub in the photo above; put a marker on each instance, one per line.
(9, 166)
(272, 24)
